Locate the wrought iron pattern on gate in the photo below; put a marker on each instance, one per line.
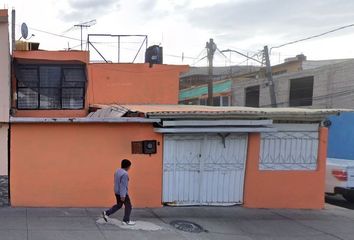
(289, 151)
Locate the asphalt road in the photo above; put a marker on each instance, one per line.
(339, 201)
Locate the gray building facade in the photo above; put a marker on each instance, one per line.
(319, 84)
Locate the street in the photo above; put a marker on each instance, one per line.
(217, 223)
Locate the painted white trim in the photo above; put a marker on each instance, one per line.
(217, 123)
(82, 120)
(214, 130)
(296, 127)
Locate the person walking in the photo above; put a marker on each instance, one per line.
(121, 180)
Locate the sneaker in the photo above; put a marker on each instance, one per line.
(131, 223)
(104, 215)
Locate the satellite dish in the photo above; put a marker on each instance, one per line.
(24, 30)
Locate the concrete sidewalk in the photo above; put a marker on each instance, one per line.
(234, 223)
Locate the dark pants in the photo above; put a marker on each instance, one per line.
(127, 208)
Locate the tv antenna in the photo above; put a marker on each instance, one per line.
(24, 32)
(84, 25)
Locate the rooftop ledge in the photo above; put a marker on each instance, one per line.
(82, 120)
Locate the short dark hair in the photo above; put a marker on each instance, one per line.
(125, 163)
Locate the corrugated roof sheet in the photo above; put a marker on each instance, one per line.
(200, 112)
(196, 92)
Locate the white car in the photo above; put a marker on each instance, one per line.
(340, 178)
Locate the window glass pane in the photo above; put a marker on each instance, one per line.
(74, 74)
(73, 84)
(203, 101)
(49, 98)
(27, 77)
(225, 101)
(216, 101)
(73, 98)
(27, 98)
(50, 76)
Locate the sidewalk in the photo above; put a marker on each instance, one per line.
(234, 223)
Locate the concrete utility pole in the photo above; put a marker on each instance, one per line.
(269, 75)
(211, 48)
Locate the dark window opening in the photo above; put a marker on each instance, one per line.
(50, 86)
(252, 96)
(225, 101)
(203, 101)
(216, 101)
(301, 92)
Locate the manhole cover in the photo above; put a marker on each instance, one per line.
(187, 226)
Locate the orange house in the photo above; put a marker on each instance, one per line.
(73, 121)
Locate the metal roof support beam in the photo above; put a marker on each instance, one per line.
(197, 123)
(215, 130)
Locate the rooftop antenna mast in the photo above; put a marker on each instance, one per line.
(85, 25)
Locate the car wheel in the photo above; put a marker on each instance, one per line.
(349, 197)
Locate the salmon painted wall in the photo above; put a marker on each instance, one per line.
(82, 56)
(134, 83)
(73, 164)
(284, 189)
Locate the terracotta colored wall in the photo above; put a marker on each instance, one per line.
(82, 56)
(50, 113)
(134, 83)
(73, 164)
(284, 189)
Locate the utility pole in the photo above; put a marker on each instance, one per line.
(269, 75)
(211, 48)
(84, 25)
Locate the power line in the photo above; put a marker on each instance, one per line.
(314, 36)
(54, 34)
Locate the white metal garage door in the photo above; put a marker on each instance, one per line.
(204, 169)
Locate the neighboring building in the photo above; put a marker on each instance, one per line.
(4, 104)
(197, 76)
(199, 95)
(316, 84)
(193, 84)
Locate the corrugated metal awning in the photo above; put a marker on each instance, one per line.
(208, 112)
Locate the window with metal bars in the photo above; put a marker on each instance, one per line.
(50, 86)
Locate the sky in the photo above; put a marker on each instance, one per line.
(183, 27)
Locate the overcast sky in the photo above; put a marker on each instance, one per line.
(183, 26)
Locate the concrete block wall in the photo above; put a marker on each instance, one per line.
(333, 87)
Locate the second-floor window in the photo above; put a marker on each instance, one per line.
(301, 92)
(252, 96)
(51, 86)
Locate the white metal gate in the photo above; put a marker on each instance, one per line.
(204, 169)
